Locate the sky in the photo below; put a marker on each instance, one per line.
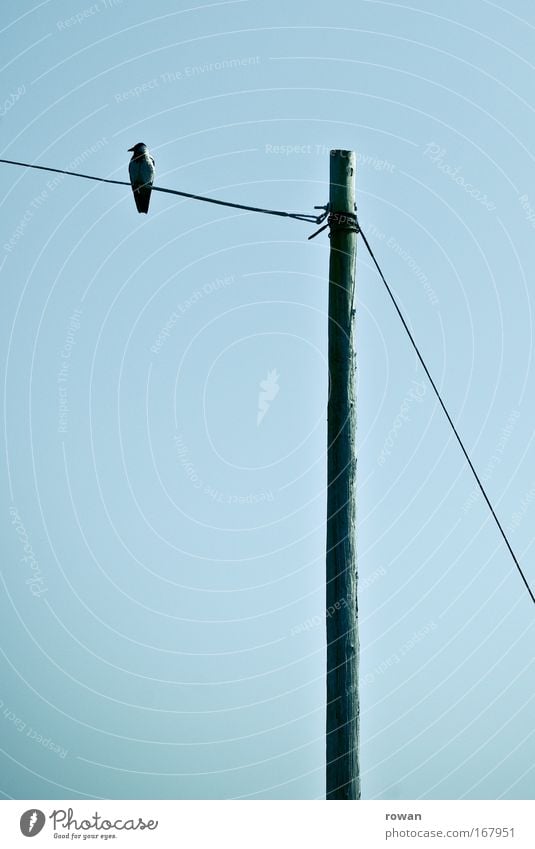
(164, 382)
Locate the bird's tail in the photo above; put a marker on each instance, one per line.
(142, 199)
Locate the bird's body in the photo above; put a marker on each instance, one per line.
(141, 170)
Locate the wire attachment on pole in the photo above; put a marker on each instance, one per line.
(341, 222)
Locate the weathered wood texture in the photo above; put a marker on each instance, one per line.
(343, 780)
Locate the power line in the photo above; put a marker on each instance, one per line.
(313, 219)
(437, 393)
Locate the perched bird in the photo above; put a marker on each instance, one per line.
(141, 170)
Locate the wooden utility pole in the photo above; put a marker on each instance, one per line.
(343, 780)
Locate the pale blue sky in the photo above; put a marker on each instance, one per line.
(168, 645)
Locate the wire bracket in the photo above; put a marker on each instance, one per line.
(338, 222)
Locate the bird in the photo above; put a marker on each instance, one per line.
(141, 170)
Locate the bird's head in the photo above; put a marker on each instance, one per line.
(138, 148)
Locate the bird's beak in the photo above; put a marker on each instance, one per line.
(130, 150)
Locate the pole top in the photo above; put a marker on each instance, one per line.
(342, 167)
